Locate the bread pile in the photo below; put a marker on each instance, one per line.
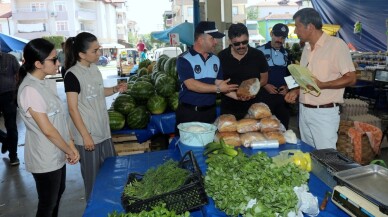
(258, 125)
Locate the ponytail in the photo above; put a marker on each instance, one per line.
(70, 55)
(22, 73)
(75, 45)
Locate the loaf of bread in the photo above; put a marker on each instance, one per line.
(248, 88)
(226, 123)
(248, 138)
(275, 135)
(269, 124)
(259, 111)
(247, 125)
(230, 138)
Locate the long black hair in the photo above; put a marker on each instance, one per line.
(74, 45)
(35, 50)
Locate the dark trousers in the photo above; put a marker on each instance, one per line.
(186, 114)
(50, 187)
(8, 107)
(278, 106)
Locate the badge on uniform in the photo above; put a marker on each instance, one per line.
(197, 69)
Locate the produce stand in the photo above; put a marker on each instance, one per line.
(106, 195)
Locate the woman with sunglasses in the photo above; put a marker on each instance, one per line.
(85, 93)
(48, 141)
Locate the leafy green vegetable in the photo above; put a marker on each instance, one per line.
(165, 178)
(157, 211)
(232, 183)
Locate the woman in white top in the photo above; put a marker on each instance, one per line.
(48, 143)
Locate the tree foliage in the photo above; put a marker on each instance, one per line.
(56, 40)
(252, 13)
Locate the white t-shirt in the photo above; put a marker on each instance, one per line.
(30, 98)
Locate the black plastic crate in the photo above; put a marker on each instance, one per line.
(189, 196)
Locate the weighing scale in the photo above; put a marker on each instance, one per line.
(354, 204)
(362, 191)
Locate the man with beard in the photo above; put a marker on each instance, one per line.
(241, 62)
(200, 77)
(276, 88)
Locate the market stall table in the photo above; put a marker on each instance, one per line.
(110, 182)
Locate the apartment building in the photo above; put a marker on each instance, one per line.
(104, 18)
(183, 10)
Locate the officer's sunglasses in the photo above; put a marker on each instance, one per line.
(239, 43)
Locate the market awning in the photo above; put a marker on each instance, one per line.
(111, 45)
(10, 43)
(185, 31)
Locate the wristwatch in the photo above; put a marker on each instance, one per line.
(218, 90)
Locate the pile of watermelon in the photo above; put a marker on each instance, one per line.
(153, 89)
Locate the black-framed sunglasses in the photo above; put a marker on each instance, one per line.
(54, 60)
(239, 43)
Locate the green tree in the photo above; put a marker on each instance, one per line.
(56, 40)
(252, 13)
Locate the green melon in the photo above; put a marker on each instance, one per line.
(116, 120)
(173, 101)
(165, 85)
(142, 90)
(124, 103)
(170, 67)
(157, 104)
(138, 118)
(141, 72)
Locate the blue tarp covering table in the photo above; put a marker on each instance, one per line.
(159, 124)
(113, 175)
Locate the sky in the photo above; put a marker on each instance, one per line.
(148, 14)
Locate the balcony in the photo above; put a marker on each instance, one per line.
(27, 14)
(86, 14)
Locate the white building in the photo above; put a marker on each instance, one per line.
(106, 19)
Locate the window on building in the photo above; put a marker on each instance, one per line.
(190, 11)
(234, 10)
(60, 6)
(38, 6)
(62, 26)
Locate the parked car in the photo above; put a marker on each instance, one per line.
(169, 51)
(102, 61)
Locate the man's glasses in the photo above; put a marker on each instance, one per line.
(54, 60)
(239, 43)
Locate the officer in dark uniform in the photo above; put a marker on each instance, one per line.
(276, 88)
(200, 77)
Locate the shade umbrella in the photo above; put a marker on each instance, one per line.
(11, 43)
(185, 31)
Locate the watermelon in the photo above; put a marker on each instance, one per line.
(144, 63)
(173, 101)
(138, 118)
(132, 78)
(142, 90)
(116, 120)
(124, 103)
(165, 85)
(170, 67)
(150, 67)
(141, 72)
(160, 63)
(157, 104)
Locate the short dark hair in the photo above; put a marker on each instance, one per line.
(307, 16)
(237, 30)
